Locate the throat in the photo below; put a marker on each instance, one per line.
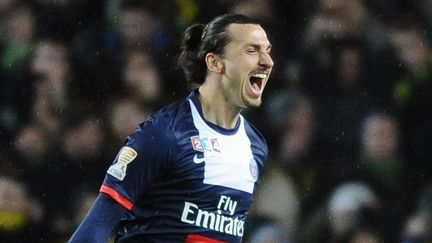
(218, 111)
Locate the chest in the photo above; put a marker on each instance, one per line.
(214, 159)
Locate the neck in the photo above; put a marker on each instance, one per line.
(216, 108)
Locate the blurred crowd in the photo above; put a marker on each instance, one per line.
(347, 112)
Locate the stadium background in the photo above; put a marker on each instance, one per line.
(347, 112)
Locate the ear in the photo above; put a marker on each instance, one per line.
(214, 63)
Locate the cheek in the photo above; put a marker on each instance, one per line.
(238, 70)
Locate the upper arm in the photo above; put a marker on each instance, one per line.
(145, 154)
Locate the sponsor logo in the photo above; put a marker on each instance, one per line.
(222, 220)
(197, 160)
(125, 156)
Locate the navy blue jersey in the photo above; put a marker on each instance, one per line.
(184, 179)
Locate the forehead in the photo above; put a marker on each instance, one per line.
(248, 34)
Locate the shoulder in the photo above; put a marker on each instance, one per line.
(254, 134)
(169, 115)
(258, 142)
(162, 124)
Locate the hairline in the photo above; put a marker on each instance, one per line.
(230, 36)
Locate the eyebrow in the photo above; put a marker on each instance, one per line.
(256, 46)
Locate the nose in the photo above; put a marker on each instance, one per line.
(266, 60)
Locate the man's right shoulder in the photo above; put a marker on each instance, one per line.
(168, 116)
(171, 112)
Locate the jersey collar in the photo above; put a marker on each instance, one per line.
(193, 96)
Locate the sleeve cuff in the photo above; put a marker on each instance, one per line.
(117, 197)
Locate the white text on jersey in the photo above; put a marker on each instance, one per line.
(192, 214)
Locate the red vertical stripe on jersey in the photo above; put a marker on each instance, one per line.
(116, 196)
(194, 238)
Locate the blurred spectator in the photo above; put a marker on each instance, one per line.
(17, 29)
(382, 167)
(412, 95)
(380, 138)
(291, 127)
(335, 19)
(50, 168)
(269, 234)
(291, 185)
(417, 119)
(32, 143)
(62, 19)
(5, 8)
(297, 130)
(183, 13)
(142, 78)
(423, 9)
(160, 27)
(81, 163)
(277, 200)
(413, 52)
(18, 39)
(49, 176)
(259, 9)
(346, 203)
(381, 160)
(83, 142)
(101, 51)
(348, 20)
(418, 227)
(133, 16)
(53, 87)
(208, 9)
(20, 213)
(124, 117)
(349, 99)
(352, 210)
(363, 235)
(337, 85)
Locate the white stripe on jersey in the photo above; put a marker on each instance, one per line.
(230, 166)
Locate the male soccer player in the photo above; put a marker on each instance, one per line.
(188, 173)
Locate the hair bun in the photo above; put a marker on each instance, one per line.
(192, 38)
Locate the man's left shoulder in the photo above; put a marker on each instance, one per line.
(254, 133)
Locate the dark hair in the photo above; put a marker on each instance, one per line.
(200, 39)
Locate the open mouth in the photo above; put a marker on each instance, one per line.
(257, 81)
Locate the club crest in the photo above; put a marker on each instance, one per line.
(253, 167)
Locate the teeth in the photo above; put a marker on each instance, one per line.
(260, 75)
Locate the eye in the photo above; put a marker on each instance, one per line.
(268, 50)
(251, 51)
